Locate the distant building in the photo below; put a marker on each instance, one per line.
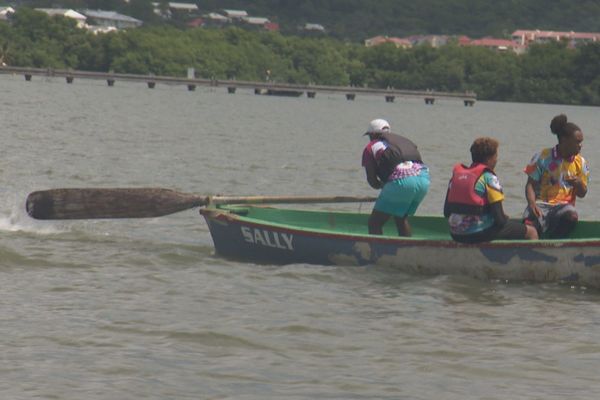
(67, 13)
(196, 22)
(398, 42)
(526, 37)
(185, 7)
(463, 40)
(583, 37)
(216, 18)
(261, 22)
(6, 12)
(174, 8)
(108, 19)
(256, 20)
(431, 40)
(498, 44)
(272, 26)
(314, 27)
(235, 14)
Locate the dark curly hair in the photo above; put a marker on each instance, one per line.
(483, 148)
(561, 127)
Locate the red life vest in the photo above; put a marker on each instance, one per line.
(462, 198)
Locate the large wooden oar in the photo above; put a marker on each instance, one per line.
(91, 203)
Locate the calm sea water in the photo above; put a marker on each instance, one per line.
(133, 309)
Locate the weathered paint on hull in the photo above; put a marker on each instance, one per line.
(577, 263)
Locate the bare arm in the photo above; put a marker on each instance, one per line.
(530, 196)
(372, 177)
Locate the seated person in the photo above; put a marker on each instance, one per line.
(473, 203)
(556, 177)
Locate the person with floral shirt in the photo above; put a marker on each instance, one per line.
(557, 176)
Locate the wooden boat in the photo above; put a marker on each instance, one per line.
(244, 231)
(283, 236)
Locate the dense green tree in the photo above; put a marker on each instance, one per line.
(553, 72)
(546, 72)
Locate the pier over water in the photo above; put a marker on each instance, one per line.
(269, 88)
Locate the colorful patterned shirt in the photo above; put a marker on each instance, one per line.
(487, 186)
(548, 170)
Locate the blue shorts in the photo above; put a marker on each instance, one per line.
(401, 197)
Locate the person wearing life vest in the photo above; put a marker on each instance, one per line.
(474, 198)
(394, 165)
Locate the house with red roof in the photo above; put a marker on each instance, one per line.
(497, 44)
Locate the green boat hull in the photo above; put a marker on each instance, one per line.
(285, 236)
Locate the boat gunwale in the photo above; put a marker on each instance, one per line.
(228, 214)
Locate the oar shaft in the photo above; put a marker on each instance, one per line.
(288, 199)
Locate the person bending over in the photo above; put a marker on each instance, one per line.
(394, 165)
(474, 199)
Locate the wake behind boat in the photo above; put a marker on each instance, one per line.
(284, 236)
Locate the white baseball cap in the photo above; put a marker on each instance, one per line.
(378, 126)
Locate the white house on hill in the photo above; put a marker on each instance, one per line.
(112, 19)
(256, 20)
(235, 14)
(6, 12)
(174, 7)
(189, 7)
(314, 27)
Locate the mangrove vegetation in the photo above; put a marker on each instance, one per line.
(549, 73)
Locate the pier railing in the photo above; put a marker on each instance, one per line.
(430, 96)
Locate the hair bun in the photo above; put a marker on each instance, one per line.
(558, 124)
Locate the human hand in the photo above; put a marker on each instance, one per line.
(535, 210)
(577, 184)
(573, 181)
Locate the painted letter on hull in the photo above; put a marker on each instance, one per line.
(266, 238)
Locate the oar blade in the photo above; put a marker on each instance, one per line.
(92, 203)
